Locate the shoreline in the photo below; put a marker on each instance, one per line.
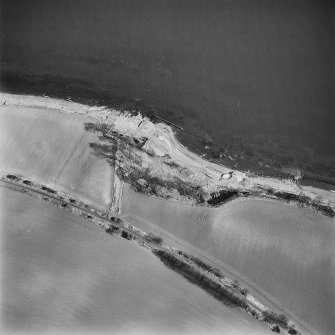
(153, 157)
(228, 154)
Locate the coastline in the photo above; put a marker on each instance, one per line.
(153, 158)
(232, 153)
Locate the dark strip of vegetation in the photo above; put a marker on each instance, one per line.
(154, 184)
(27, 182)
(275, 329)
(44, 188)
(305, 201)
(116, 220)
(12, 177)
(223, 196)
(126, 235)
(111, 229)
(325, 210)
(219, 292)
(201, 264)
(151, 238)
(213, 270)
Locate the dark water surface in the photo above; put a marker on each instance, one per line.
(255, 76)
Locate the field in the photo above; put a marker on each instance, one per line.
(282, 252)
(52, 148)
(62, 272)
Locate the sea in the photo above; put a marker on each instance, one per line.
(250, 79)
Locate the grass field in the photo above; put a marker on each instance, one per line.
(285, 252)
(61, 272)
(52, 148)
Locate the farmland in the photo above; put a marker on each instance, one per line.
(52, 149)
(60, 271)
(283, 252)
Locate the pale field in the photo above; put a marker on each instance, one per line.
(63, 273)
(281, 252)
(52, 148)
